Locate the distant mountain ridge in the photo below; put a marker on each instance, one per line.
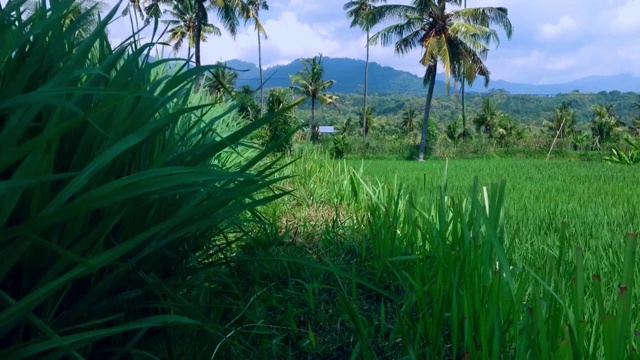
(349, 73)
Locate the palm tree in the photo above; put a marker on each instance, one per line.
(604, 123)
(253, 13)
(359, 11)
(82, 16)
(636, 121)
(462, 92)
(563, 122)
(221, 80)
(135, 7)
(183, 25)
(459, 39)
(487, 119)
(366, 114)
(452, 130)
(409, 119)
(310, 83)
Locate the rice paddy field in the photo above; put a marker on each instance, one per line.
(599, 202)
(436, 240)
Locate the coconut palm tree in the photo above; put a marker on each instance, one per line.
(409, 119)
(253, 14)
(366, 114)
(462, 93)
(183, 25)
(81, 15)
(636, 121)
(134, 9)
(359, 11)
(605, 122)
(486, 120)
(310, 82)
(221, 80)
(458, 39)
(563, 122)
(228, 13)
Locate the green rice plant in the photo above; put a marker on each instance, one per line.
(461, 281)
(122, 195)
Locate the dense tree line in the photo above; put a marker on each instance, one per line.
(527, 109)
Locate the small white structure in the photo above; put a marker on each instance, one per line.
(327, 129)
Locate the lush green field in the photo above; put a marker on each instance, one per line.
(142, 218)
(600, 202)
(562, 232)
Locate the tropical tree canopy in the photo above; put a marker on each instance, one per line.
(221, 80)
(409, 117)
(182, 24)
(310, 83)
(487, 118)
(563, 121)
(359, 12)
(459, 39)
(605, 122)
(251, 12)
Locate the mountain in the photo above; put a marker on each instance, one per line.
(591, 84)
(348, 74)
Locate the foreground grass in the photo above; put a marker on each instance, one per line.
(133, 225)
(381, 261)
(599, 202)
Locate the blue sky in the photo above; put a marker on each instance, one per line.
(553, 41)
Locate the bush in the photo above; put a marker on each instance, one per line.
(121, 193)
(282, 124)
(340, 147)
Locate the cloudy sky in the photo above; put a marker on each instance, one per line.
(553, 41)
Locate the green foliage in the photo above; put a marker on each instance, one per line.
(220, 81)
(283, 121)
(630, 157)
(563, 122)
(182, 24)
(310, 83)
(340, 147)
(605, 123)
(247, 106)
(122, 194)
(427, 269)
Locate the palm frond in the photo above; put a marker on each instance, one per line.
(487, 16)
(389, 13)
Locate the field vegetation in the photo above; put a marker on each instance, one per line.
(150, 211)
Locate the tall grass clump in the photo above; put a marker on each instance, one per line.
(122, 194)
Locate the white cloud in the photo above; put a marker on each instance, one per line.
(553, 40)
(565, 27)
(624, 18)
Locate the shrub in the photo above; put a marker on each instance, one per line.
(281, 125)
(120, 194)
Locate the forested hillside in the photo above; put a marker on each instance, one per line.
(529, 109)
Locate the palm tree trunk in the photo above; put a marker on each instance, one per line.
(366, 78)
(312, 125)
(261, 81)
(464, 115)
(200, 10)
(427, 108)
(135, 14)
(133, 30)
